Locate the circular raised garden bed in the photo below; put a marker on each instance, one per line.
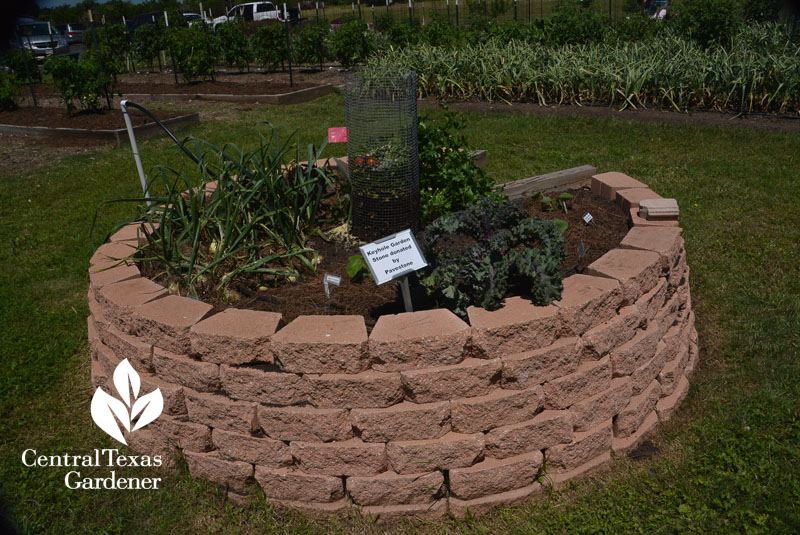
(428, 414)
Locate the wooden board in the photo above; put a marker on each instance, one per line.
(577, 176)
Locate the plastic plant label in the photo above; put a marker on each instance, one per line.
(337, 134)
(588, 219)
(393, 257)
(330, 280)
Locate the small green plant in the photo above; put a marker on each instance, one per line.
(146, 43)
(235, 46)
(357, 268)
(308, 44)
(269, 45)
(449, 178)
(556, 203)
(80, 83)
(475, 256)
(9, 92)
(708, 21)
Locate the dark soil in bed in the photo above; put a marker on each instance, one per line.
(59, 118)
(306, 296)
(266, 87)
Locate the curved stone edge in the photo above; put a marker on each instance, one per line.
(360, 421)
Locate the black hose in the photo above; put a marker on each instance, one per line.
(178, 142)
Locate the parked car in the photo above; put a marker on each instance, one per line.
(73, 31)
(192, 18)
(250, 12)
(153, 17)
(41, 38)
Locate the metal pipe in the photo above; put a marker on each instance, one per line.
(129, 125)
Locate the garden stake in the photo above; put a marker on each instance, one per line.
(316, 8)
(387, 6)
(288, 45)
(410, 16)
(515, 9)
(328, 280)
(406, 294)
(171, 55)
(27, 68)
(359, 9)
(457, 14)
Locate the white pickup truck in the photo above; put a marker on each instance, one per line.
(250, 12)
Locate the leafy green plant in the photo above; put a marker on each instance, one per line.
(269, 45)
(357, 268)
(9, 92)
(352, 43)
(708, 21)
(80, 83)
(235, 45)
(475, 255)
(15, 61)
(308, 43)
(556, 203)
(196, 50)
(572, 24)
(449, 178)
(251, 214)
(146, 43)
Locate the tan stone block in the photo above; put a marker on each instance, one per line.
(99, 376)
(220, 412)
(185, 371)
(584, 447)
(404, 421)
(667, 405)
(235, 336)
(659, 209)
(630, 198)
(305, 423)
(230, 474)
(271, 388)
(146, 442)
(472, 377)
(131, 232)
(138, 353)
(647, 372)
(118, 300)
(92, 335)
(589, 379)
(113, 253)
(174, 400)
(96, 312)
(606, 185)
(546, 429)
(623, 446)
(394, 514)
(637, 271)
(666, 241)
(614, 332)
(390, 488)
(631, 417)
(626, 358)
(668, 314)
(637, 221)
(501, 407)
(418, 340)
(166, 324)
(100, 276)
(450, 451)
(257, 450)
(369, 389)
(591, 466)
(518, 326)
(495, 476)
(587, 301)
(694, 353)
(317, 510)
(291, 484)
(650, 303)
(322, 344)
(532, 368)
(678, 270)
(592, 411)
(673, 370)
(105, 357)
(179, 433)
(485, 504)
(348, 458)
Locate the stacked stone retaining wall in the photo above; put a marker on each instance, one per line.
(428, 414)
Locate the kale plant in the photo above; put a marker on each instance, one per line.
(475, 255)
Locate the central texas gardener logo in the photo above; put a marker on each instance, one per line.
(108, 410)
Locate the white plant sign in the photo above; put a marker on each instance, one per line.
(108, 410)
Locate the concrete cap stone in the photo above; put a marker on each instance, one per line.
(100, 276)
(665, 241)
(606, 185)
(637, 221)
(587, 301)
(175, 311)
(131, 232)
(235, 336)
(112, 253)
(518, 326)
(131, 293)
(630, 198)
(322, 344)
(659, 209)
(515, 310)
(636, 270)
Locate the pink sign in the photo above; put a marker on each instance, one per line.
(337, 135)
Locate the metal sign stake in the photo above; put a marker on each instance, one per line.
(406, 294)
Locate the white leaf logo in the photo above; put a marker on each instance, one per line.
(108, 410)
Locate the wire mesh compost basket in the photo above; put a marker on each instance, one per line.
(382, 153)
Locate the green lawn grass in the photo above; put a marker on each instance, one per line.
(727, 461)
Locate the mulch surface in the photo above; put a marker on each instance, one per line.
(265, 87)
(306, 296)
(59, 118)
